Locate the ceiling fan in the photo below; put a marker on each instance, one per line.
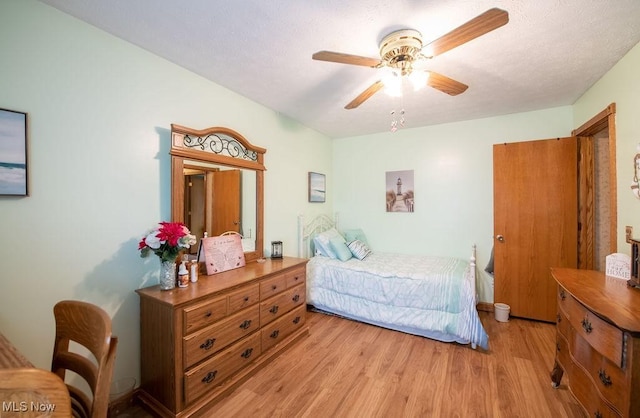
(404, 54)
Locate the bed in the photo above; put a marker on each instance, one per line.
(434, 297)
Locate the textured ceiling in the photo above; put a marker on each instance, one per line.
(548, 55)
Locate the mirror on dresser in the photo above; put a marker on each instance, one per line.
(217, 185)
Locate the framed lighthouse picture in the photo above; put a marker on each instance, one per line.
(399, 191)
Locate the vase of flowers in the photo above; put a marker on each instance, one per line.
(166, 241)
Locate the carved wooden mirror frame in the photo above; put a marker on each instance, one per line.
(222, 146)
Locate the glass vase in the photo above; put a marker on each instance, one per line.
(167, 275)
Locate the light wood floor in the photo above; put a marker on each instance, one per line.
(348, 369)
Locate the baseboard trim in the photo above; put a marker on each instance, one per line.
(485, 306)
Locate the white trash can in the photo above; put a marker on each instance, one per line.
(501, 311)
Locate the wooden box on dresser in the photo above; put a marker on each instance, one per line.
(198, 343)
(598, 342)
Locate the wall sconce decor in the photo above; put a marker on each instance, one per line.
(276, 249)
(635, 185)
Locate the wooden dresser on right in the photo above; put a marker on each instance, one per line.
(598, 342)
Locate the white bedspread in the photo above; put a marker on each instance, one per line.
(423, 295)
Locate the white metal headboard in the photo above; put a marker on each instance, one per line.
(306, 232)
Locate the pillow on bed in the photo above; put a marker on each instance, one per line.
(359, 249)
(339, 247)
(323, 245)
(355, 234)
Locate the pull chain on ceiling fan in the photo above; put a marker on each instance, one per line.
(403, 53)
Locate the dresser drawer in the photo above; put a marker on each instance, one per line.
(609, 379)
(273, 286)
(244, 297)
(203, 314)
(281, 328)
(604, 337)
(587, 394)
(214, 371)
(273, 308)
(204, 343)
(295, 277)
(562, 299)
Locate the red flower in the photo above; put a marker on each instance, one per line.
(171, 232)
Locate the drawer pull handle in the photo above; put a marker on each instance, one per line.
(208, 314)
(586, 326)
(296, 278)
(246, 324)
(274, 287)
(563, 296)
(274, 334)
(296, 298)
(246, 298)
(606, 380)
(274, 309)
(209, 377)
(296, 320)
(247, 353)
(208, 344)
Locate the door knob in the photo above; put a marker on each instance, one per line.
(500, 238)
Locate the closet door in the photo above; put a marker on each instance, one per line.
(535, 222)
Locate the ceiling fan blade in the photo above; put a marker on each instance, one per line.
(476, 27)
(446, 84)
(370, 91)
(345, 58)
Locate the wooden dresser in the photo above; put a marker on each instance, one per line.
(198, 343)
(598, 342)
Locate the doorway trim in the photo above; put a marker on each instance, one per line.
(606, 120)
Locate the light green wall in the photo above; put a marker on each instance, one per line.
(99, 113)
(453, 174)
(621, 85)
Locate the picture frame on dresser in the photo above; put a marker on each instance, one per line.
(13, 153)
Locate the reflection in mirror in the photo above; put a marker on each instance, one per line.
(217, 185)
(220, 199)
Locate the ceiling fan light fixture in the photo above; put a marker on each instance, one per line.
(392, 82)
(404, 52)
(419, 79)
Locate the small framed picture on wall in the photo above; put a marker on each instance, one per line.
(317, 187)
(13, 153)
(400, 191)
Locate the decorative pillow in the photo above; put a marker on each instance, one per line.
(355, 234)
(359, 249)
(339, 247)
(322, 242)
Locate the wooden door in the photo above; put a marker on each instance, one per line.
(535, 222)
(226, 193)
(195, 203)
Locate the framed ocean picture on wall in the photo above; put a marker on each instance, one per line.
(317, 187)
(13, 153)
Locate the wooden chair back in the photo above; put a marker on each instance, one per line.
(30, 392)
(90, 327)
